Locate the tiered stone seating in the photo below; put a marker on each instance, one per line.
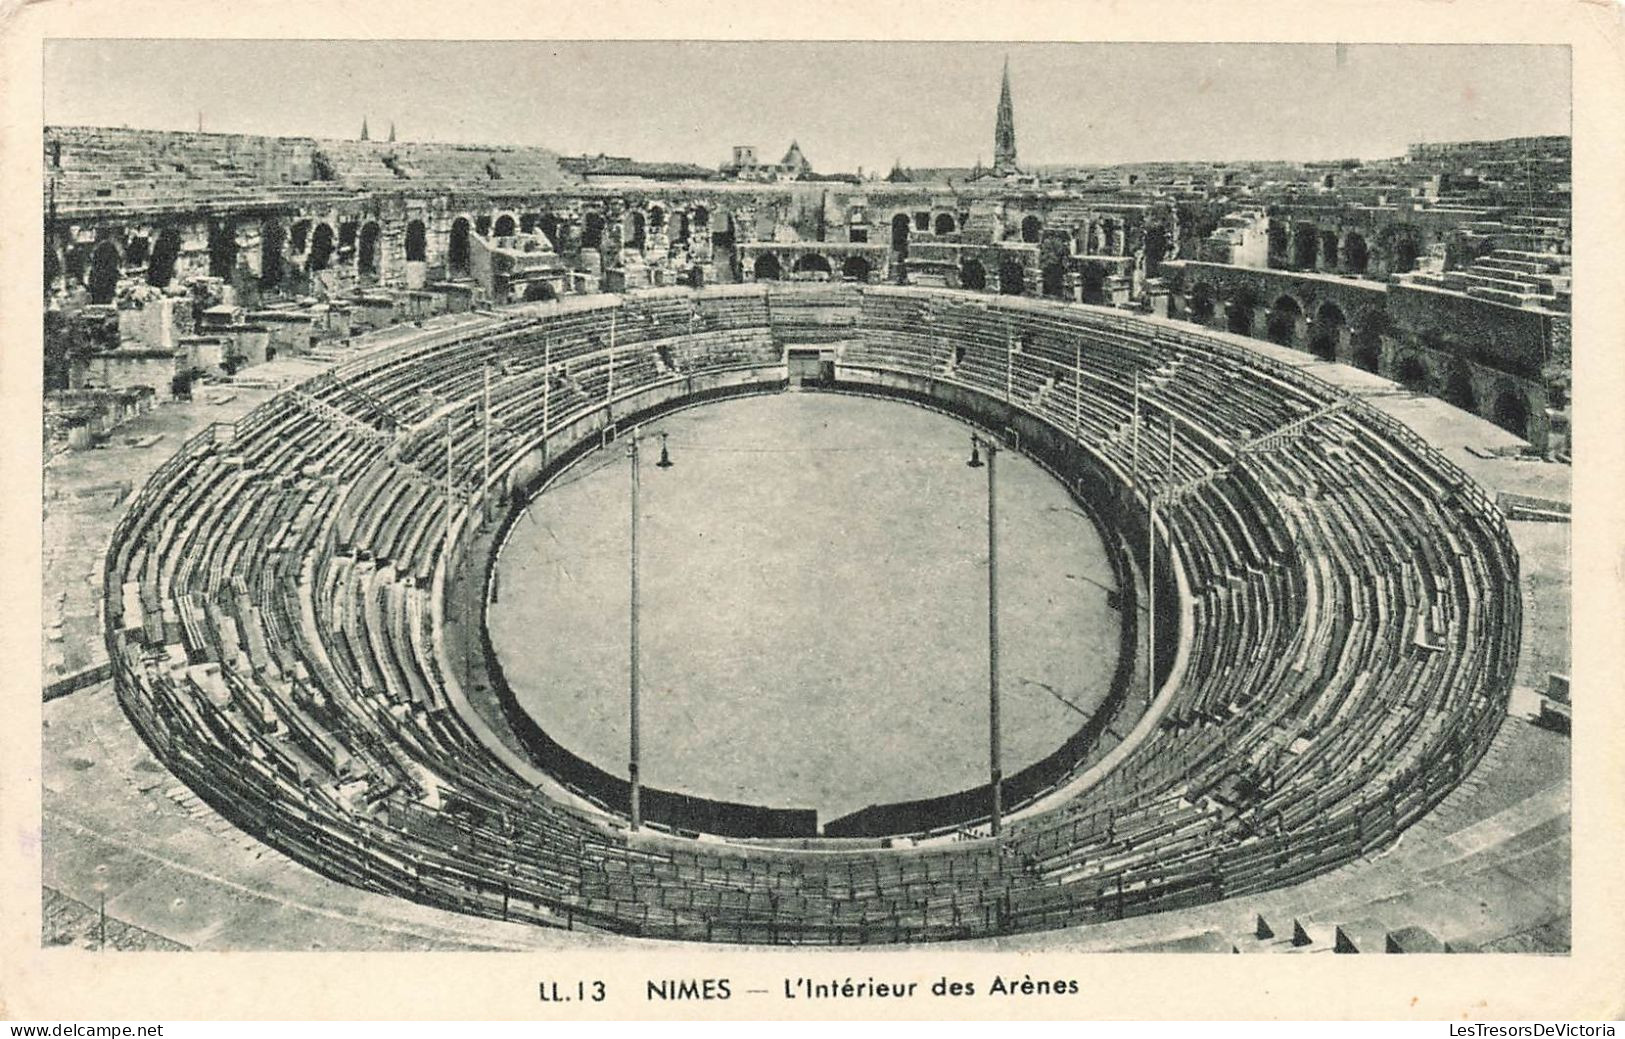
(382, 166)
(1352, 625)
(109, 167)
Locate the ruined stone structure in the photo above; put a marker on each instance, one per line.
(1436, 275)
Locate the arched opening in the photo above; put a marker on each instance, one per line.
(548, 225)
(1032, 229)
(1304, 239)
(922, 221)
(1278, 246)
(1202, 303)
(347, 233)
(812, 265)
(137, 252)
(767, 268)
(1156, 247)
(1111, 237)
(53, 268)
(1329, 325)
(657, 218)
(1282, 325)
(161, 267)
(417, 242)
(457, 247)
(856, 268)
(1094, 283)
(701, 218)
(1012, 278)
(1413, 374)
(972, 275)
(299, 240)
(1239, 312)
(944, 224)
(366, 261)
(1355, 257)
(592, 229)
(1328, 249)
(638, 231)
(482, 224)
(681, 234)
(1365, 345)
(1405, 254)
(899, 232)
(321, 248)
(272, 241)
(104, 270)
(1511, 410)
(504, 227)
(1366, 355)
(539, 292)
(1054, 278)
(222, 249)
(1458, 388)
(78, 260)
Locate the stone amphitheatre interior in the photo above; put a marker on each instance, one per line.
(478, 547)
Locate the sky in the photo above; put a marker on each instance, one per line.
(850, 105)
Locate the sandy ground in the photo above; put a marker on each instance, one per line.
(797, 651)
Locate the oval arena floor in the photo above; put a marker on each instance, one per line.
(799, 650)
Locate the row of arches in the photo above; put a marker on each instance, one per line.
(1306, 246)
(768, 267)
(1286, 323)
(1012, 277)
(1508, 405)
(903, 225)
(640, 224)
(100, 266)
(318, 245)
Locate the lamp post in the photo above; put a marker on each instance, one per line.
(1134, 465)
(634, 683)
(448, 491)
(1151, 595)
(485, 449)
(632, 692)
(994, 770)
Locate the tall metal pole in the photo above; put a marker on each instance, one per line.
(1170, 445)
(485, 437)
(448, 494)
(1009, 365)
(547, 389)
(1077, 390)
(1151, 596)
(609, 395)
(993, 635)
(1134, 470)
(632, 698)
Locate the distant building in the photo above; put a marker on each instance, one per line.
(744, 166)
(1004, 130)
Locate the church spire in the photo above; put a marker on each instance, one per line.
(1004, 132)
(364, 128)
(392, 131)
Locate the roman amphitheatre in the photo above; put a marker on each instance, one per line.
(455, 547)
